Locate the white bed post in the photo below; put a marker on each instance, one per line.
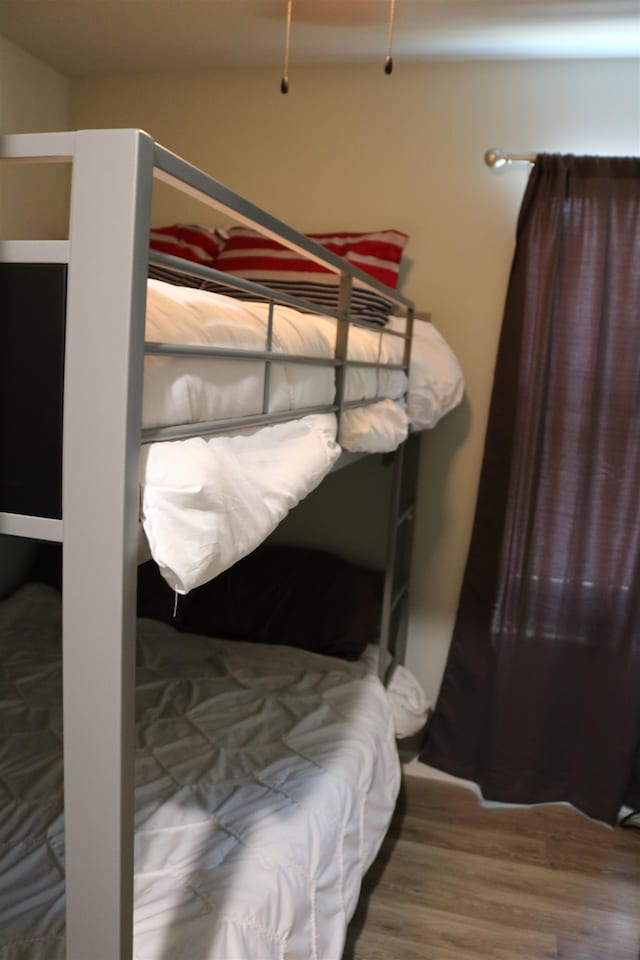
(109, 228)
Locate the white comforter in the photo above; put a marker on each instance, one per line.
(206, 503)
(181, 390)
(266, 779)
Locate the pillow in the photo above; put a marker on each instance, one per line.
(188, 241)
(250, 255)
(293, 596)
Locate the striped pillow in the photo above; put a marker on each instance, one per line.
(188, 241)
(250, 255)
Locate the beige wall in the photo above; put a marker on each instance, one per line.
(352, 148)
(33, 98)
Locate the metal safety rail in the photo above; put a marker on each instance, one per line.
(107, 257)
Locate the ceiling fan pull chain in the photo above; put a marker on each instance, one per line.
(284, 83)
(388, 63)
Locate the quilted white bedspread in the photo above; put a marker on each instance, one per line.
(266, 779)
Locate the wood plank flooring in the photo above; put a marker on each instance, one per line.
(456, 881)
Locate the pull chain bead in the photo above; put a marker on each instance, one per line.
(388, 63)
(284, 83)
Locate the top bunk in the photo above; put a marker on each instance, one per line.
(219, 363)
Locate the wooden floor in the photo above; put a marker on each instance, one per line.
(454, 881)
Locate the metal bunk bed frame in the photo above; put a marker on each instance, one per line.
(107, 260)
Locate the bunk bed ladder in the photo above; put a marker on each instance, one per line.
(395, 601)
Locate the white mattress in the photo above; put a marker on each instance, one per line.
(206, 503)
(181, 390)
(266, 779)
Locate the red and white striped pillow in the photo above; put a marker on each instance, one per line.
(189, 241)
(250, 255)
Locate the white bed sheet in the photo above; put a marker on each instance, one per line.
(266, 780)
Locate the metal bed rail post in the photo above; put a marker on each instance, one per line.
(342, 346)
(404, 546)
(106, 299)
(394, 619)
(385, 643)
(395, 596)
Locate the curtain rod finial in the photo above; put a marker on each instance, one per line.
(496, 158)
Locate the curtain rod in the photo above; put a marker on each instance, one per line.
(498, 158)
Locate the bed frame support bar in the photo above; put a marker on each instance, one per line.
(176, 172)
(395, 598)
(110, 220)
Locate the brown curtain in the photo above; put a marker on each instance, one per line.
(540, 699)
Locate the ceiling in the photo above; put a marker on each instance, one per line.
(84, 37)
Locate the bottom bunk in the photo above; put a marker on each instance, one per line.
(266, 777)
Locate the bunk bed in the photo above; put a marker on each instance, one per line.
(248, 885)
